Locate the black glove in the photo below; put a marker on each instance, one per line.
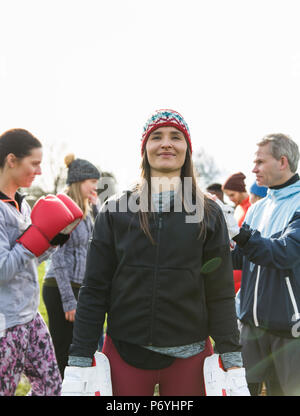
(243, 236)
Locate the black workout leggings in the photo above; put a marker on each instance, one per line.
(60, 329)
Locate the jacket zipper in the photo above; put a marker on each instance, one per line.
(255, 297)
(155, 277)
(291, 294)
(293, 299)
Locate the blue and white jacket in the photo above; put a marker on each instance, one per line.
(270, 260)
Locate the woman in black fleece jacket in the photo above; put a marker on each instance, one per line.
(159, 266)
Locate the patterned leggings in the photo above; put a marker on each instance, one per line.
(28, 349)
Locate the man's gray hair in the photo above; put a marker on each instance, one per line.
(282, 145)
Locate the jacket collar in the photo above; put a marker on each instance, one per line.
(168, 198)
(245, 202)
(292, 180)
(16, 202)
(285, 191)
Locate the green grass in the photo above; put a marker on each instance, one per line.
(24, 385)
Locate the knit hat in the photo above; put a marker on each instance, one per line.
(165, 118)
(260, 191)
(80, 169)
(235, 182)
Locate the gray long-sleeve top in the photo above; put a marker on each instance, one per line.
(19, 286)
(67, 264)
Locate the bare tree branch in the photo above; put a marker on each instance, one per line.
(205, 167)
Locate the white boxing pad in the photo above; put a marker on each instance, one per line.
(88, 381)
(223, 383)
(214, 376)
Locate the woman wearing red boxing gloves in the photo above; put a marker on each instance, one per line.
(26, 238)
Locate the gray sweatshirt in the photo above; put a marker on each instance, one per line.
(19, 286)
(67, 264)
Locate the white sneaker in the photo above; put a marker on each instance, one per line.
(88, 381)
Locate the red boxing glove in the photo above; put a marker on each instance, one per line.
(74, 208)
(50, 218)
(64, 235)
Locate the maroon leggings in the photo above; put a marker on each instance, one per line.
(182, 378)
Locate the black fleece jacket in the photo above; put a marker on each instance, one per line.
(175, 292)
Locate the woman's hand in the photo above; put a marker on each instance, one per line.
(70, 315)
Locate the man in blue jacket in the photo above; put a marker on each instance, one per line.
(268, 251)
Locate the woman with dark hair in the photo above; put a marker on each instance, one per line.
(26, 238)
(159, 265)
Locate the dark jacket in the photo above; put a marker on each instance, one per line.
(157, 294)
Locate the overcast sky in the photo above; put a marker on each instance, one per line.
(89, 72)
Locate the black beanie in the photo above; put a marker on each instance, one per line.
(80, 170)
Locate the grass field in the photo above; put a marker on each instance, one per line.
(24, 386)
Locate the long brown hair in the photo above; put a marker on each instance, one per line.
(187, 171)
(74, 189)
(74, 192)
